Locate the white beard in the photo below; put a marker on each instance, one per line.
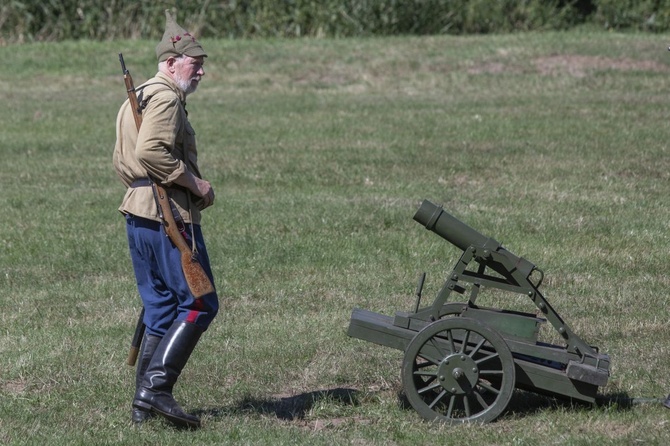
(185, 85)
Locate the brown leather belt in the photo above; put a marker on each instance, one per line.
(141, 182)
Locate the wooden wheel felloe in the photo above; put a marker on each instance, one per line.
(457, 370)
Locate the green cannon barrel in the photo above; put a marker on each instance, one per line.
(436, 219)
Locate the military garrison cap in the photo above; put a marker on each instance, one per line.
(177, 41)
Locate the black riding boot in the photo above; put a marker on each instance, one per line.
(666, 403)
(149, 344)
(170, 357)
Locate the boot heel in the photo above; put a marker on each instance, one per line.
(139, 404)
(139, 416)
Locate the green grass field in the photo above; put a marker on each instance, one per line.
(320, 152)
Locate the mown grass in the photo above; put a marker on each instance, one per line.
(320, 152)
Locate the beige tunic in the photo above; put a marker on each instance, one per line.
(164, 149)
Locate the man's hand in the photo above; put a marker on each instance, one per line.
(198, 187)
(204, 191)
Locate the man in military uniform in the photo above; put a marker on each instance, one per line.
(164, 151)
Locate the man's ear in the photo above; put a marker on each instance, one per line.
(170, 63)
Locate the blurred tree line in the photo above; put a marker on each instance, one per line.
(52, 20)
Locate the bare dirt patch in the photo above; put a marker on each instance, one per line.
(13, 387)
(572, 65)
(491, 68)
(581, 66)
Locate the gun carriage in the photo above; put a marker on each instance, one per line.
(462, 361)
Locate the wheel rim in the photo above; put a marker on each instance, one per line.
(457, 370)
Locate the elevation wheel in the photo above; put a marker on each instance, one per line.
(457, 370)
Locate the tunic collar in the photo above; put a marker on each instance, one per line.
(173, 85)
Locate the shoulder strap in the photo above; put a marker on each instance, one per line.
(142, 101)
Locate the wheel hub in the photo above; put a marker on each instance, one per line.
(458, 374)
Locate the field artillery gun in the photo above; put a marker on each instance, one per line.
(461, 361)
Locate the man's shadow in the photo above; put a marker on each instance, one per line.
(289, 408)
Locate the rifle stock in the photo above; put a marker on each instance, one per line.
(197, 279)
(137, 340)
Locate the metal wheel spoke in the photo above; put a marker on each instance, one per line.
(450, 409)
(464, 344)
(480, 400)
(490, 372)
(477, 347)
(437, 399)
(438, 347)
(450, 338)
(466, 405)
(488, 387)
(425, 378)
(430, 359)
(486, 358)
(428, 388)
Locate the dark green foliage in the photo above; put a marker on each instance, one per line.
(75, 19)
(648, 15)
(49, 20)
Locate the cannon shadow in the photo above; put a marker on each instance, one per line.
(526, 403)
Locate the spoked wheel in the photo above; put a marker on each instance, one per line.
(457, 370)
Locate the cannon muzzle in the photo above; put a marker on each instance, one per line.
(436, 219)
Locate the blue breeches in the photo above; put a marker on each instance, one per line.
(160, 278)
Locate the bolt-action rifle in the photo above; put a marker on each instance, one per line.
(198, 282)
